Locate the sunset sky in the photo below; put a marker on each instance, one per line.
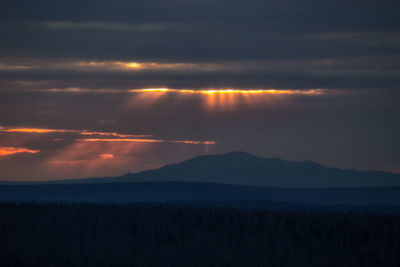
(101, 88)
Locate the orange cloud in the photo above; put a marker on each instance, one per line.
(112, 65)
(5, 151)
(138, 140)
(194, 142)
(113, 134)
(135, 140)
(106, 156)
(32, 130)
(82, 132)
(97, 137)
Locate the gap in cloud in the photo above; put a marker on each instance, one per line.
(222, 99)
(210, 99)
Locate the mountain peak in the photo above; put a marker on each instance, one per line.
(234, 155)
(236, 159)
(239, 154)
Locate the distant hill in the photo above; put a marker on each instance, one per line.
(207, 194)
(245, 169)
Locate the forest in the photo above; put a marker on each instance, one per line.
(133, 235)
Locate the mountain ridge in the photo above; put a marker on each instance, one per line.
(246, 169)
(242, 168)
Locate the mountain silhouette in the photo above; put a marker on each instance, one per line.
(242, 168)
(236, 179)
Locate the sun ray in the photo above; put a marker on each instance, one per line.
(218, 98)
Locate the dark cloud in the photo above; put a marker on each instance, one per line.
(361, 38)
(336, 73)
(193, 30)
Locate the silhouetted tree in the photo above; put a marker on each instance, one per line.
(118, 235)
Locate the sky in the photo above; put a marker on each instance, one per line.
(95, 88)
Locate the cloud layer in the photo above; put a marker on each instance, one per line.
(200, 44)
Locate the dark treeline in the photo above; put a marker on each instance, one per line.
(117, 235)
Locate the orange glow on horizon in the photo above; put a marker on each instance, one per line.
(5, 151)
(88, 158)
